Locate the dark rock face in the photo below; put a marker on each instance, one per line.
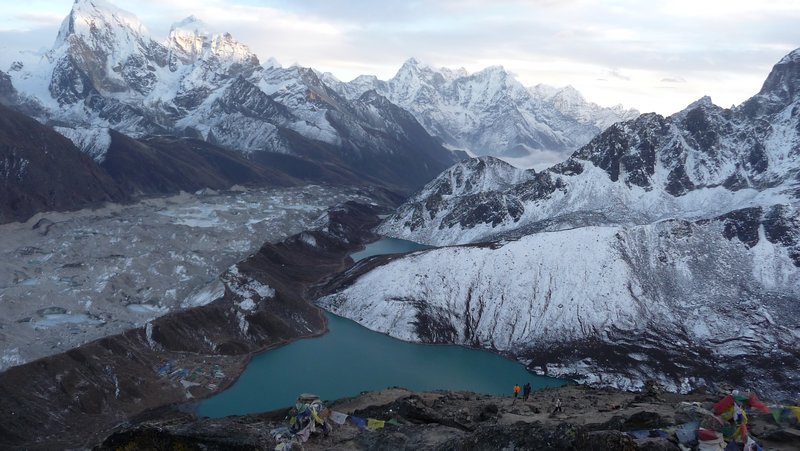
(742, 224)
(42, 170)
(627, 148)
(779, 89)
(8, 94)
(492, 208)
(166, 165)
(88, 390)
(782, 226)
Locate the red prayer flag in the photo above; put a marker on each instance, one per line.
(723, 405)
(756, 403)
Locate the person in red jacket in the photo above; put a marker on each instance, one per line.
(516, 392)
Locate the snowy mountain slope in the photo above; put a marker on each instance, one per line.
(570, 102)
(488, 112)
(682, 302)
(666, 248)
(699, 163)
(106, 72)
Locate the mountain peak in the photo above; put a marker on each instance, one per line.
(702, 101)
(411, 62)
(190, 23)
(98, 22)
(792, 57)
(782, 86)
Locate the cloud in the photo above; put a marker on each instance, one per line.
(673, 80)
(615, 73)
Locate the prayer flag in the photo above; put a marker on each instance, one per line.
(393, 422)
(796, 411)
(776, 413)
(751, 445)
(338, 417)
(358, 421)
(756, 403)
(372, 423)
(742, 432)
(304, 434)
(723, 404)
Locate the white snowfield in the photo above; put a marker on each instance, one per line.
(678, 279)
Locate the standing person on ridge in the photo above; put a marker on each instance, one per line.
(516, 392)
(526, 391)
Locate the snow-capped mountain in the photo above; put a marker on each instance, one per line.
(666, 248)
(571, 103)
(105, 71)
(490, 112)
(701, 162)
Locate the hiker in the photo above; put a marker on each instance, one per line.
(558, 406)
(526, 391)
(516, 392)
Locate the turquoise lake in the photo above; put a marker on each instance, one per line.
(387, 246)
(350, 359)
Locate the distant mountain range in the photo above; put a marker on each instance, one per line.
(665, 248)
(490, 112)
(107, 80)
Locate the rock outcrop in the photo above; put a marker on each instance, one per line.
(590, 419)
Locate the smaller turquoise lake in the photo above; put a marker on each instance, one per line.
(350, 359)
(387, 246)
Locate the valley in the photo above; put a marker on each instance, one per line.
(71, 278)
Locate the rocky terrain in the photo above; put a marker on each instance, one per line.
(70, 278)
(74, 399)
(591, 419)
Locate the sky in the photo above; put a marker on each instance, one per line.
(650, 55)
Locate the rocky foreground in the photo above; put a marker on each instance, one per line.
(591, 419)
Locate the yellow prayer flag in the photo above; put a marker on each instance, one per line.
(375, 424)
(796, 412)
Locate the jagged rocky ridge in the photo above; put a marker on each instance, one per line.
(666, 248)
(489, 112)
(42, 170)
(106, 72)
